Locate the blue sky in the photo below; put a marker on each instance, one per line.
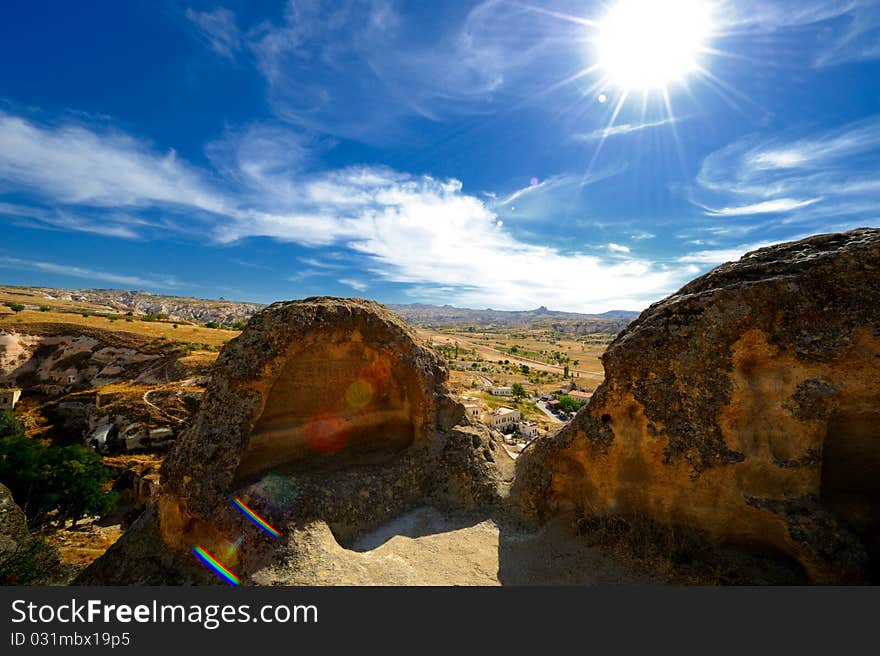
(483, 154)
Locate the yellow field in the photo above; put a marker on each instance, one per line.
(152, 329)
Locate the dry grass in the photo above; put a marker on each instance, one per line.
(154, 330)
(491, 347)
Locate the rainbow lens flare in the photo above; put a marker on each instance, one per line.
(215, 565)
(255, 518)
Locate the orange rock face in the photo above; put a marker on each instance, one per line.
(747, 406)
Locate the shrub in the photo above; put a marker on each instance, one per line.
(212, 324)
(45, 308)
(67, 481)
(15, 307)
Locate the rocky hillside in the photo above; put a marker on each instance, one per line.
(229, 312)
(173, 307)
(571, 323)
(744, 407)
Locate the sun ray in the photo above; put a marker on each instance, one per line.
(558, 14)
(605, 134)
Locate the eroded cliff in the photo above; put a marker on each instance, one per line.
(745, 406)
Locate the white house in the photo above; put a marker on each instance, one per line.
(503, 417)
(502, 391)
(9, 397)
(528, 429)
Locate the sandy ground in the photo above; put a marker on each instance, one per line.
(427, 547)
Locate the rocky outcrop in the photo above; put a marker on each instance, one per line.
(325, 410)
(13, 523)
(746, 405)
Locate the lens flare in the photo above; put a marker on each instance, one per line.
(359, 394)
(215, 566)
(278, 491)
(255, 518)
(326, 432)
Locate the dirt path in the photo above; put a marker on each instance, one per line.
(158, 409)
(427, 547)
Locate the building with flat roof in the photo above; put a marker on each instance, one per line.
(504, 417)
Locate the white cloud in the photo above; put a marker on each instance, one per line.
(75, 165)
(826, 175)
(416, 230)
(219, 29)
(357, 285)
(353, 68)
(718, 256)
(775, 206)
(121, 226)
(88, 274)
(623, 128)
(857, 36)
(618, 248)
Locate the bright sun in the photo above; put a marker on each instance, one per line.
(646, 45)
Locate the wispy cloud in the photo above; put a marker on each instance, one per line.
(219, 30)
(857, 39)
(553, 198)
(121, 227)
(623, 128)
(351, 67)
(714, 257)
(76, 165)
(776, 206)
(84, 273)
(618, 248)
(358, 285)
(823, 176)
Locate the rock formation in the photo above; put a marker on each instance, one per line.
(746, 405)
(13, 523)
(321, 410)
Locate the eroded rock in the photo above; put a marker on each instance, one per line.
(322, 409)
(13, 523)
(746, 405)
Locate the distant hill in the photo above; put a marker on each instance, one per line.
(419, 314)
(416, 314)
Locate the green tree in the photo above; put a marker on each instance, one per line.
(69, 481)
(15, 307)
(569, 404)
(518, 390)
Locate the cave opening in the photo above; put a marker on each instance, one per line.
(850, 487)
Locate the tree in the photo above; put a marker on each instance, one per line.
(518, 390)
(69, 481)
(524, 368)
(15, 307)
(569, 404)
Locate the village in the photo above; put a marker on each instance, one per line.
(520, 416)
